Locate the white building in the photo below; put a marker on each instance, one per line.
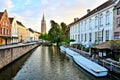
(96, 26)
(30, 35)
(14, 30)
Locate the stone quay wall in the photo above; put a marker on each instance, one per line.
(11, 53)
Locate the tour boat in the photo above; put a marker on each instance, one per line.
(62, 49)
(90, 66)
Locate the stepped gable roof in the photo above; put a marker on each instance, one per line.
(20, 23)
(11, 19)
(102, 6)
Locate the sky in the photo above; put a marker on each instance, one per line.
(30, 12)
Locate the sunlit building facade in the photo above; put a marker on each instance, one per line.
(96, 26)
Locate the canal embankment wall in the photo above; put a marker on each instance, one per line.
(9, 54)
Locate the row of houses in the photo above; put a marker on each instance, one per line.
(13, 31)
(98, 25)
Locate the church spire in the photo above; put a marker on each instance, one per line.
(43, 17)
(43, 25)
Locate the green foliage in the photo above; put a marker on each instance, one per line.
(58, 33)
(63, 31)
(44, 36)
(115, 45)
(55, 32)
(87, 49)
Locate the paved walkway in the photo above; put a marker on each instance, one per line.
(15, 45)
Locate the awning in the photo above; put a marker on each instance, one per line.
(105, 45)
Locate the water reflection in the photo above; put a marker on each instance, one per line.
(10, 71)
(47, 63)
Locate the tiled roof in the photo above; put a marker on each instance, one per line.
(105, 45)
(20, 23)
(30, 29)
(104, 5)
(37, 32)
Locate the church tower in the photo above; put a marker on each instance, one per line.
(43, 25)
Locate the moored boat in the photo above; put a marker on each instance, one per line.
(62, 49)
(90, 66)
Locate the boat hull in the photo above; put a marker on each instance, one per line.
(88, 65)
(62, 49)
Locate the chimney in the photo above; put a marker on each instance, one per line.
(88, 10)
(75, 19)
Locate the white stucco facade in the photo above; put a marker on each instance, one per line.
(14, 31)
(30, 35)
(96, 28)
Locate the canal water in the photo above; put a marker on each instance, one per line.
(47, 63)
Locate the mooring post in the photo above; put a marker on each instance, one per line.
(111, 66)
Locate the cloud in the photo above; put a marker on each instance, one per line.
(66, 10)
(30, 12)
(6, 4)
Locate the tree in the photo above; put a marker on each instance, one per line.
(64, 31)
(115, 45)
(44, 36)
(55, 32)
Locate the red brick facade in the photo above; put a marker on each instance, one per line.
(5, 28)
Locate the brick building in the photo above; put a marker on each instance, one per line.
(5, 28)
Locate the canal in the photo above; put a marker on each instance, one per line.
(47, 63)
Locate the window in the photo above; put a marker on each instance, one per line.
(5, 31)
(5, 23)
(85, 26)
(78, 37)
(81, 37)
(107, 18)
(96, 21)
(85, 37)
(118, 21)
(101, 19)
(0, 30)
(90, 24)
(117, 35)
(107, 35)
(118, 11)
(96, 36)
(100, 36)
(90, 36)
(81, 26)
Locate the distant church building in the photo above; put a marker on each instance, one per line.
(43, 25)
